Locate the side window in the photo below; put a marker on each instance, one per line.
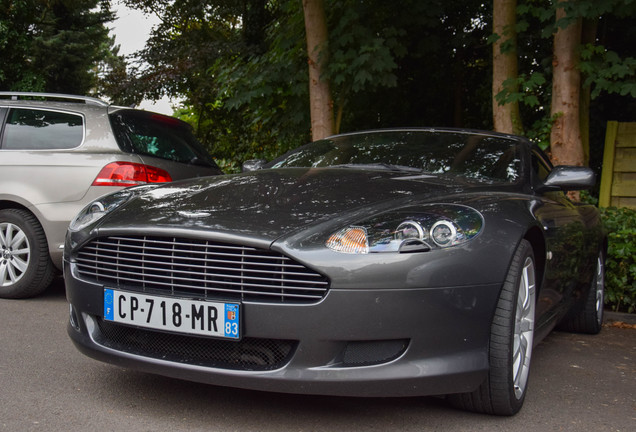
(540, 166)
(30, 129)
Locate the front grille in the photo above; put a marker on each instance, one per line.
(248, 354)
(199, 269)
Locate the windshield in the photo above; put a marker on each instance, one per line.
(160, 136)
(472, 155)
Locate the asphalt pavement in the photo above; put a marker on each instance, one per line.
(578, 383)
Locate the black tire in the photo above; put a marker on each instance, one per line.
(26, 269)
(511, 339)
(590, 319)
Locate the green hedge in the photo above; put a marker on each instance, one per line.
(620, 263)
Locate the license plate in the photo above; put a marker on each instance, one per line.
(179, 315)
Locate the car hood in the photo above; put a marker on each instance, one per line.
(266, 205)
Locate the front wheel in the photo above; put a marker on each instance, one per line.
(25, 266)
(511, 339)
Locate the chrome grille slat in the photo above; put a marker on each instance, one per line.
(156, 278)
(201, 260)
(174, 242)
(198, 268)
(188, 269)
(204, 249)
(228, 290)
(206, 254)
(253, 283)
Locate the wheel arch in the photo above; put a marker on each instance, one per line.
(11, 204)
(535, 236)
(6, 204)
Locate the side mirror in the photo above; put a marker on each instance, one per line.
(253, 164)
(568, 178)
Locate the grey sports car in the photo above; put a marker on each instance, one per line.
(384, 263)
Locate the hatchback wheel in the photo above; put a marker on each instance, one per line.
(25, 266)
(511, 339)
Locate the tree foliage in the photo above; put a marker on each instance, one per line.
(54, 46)
(241, 67)
(415, 65)
(620, 282)
(606, 65)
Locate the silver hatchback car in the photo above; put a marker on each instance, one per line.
(60, 152)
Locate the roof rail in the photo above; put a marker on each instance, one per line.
(54, 96)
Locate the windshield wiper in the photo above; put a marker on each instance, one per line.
(384, 166)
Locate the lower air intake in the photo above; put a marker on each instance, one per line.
(248, 354)
(367, 353)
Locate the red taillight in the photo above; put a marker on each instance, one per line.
(130, 174)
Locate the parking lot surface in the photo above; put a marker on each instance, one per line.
(578, 383)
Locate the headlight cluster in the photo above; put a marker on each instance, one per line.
(104, 205)
(409, 230)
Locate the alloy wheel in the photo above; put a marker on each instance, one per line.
(16, 253)
(600, 287)
(524, 328)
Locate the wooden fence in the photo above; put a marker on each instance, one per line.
(618, 180)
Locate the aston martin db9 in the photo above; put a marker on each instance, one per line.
(385, 263)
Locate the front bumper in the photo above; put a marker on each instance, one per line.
(355, 342)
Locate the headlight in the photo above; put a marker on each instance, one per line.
(104, 205)
(444, 233)
(409, 230)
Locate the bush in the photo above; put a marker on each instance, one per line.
(620, 263)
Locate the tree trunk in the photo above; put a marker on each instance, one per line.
(565, 139)
(320, 102)
(506, 117)
(588, 36)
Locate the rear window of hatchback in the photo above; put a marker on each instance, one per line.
(160, 136)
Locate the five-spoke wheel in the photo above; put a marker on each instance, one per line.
(511, 339)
